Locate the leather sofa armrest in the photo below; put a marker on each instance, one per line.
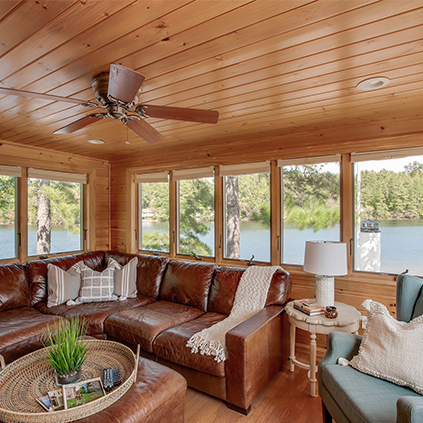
(254, 355)
(410, 410)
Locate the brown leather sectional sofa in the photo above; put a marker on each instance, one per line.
(175, 300)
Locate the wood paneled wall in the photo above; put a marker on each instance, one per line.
(98, 188)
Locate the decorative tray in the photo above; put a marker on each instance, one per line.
(31, 377)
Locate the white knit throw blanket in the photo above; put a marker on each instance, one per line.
(250, 297)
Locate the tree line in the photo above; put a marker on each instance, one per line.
(389, 195)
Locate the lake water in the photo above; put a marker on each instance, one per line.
(62, 241)
(401, 243)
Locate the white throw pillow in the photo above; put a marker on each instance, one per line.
(390, 349)
(125, 278)
(62, 285)
(97, 286)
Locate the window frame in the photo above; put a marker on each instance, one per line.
(333, 158)
(16, 233)
(375, 155)
(81, 179)
(244, 170)
(139, 220)
(190, 174)
(346, 210)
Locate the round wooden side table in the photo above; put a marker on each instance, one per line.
(348, 320)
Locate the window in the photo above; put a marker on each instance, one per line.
(8, 211)
(388, 230)
(247, 211)
(153, 211)
(195, 211)
(310, 204)
(55, 212)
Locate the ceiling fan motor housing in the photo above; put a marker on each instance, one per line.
(100, 85)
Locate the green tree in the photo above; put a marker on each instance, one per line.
(311, 197)
(7, 199)
(389, 195)
(196, 207)
(53, 203)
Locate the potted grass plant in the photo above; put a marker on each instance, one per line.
(67, 350)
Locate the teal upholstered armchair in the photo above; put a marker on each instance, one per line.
(349, 396)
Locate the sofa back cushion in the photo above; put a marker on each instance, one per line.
(14, 288)
(225, 284)
(37, 271)
(150, 270)
(187, 283)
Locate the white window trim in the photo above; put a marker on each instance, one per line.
(245, 169)
(201, 172)
(310, 160)
(79, 178)
(141, 178)
(15, 171)
(386, 155)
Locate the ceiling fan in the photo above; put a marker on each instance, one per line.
(118, 92)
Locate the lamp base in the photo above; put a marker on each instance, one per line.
(325, 290)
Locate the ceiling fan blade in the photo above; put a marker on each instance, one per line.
(124, 83)
(31, 94)
(80, 123)
(178, 113)
(144, 130)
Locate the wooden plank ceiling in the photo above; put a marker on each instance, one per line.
(270, 67)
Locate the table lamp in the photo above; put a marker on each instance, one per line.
(325, 259)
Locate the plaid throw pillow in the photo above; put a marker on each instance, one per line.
(97, 286)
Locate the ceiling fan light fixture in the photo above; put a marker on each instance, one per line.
(96, 141)
(375, 83)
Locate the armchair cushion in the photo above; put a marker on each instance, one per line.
(418, 305)
(390, 349)
(361, 397)
(410, 410)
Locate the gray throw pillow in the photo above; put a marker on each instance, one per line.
(62, 285)
(125, 278)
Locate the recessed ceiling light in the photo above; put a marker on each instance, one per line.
(127, 142)
(373, 83)
(96, 141)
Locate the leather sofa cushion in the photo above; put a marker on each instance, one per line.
(362, 397)
(156, 396)
(171, 345)
(225, 284)
(141, 325)
(22, 331)
(187, 283)
(14, 288)
(150, 270)
(37, 271)
(94, 313)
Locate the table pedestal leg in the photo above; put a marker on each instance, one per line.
(291, 348)
(312, 373)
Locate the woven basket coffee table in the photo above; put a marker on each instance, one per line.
(31, 377)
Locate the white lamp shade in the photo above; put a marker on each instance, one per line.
(326, 258)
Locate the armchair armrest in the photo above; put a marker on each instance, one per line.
(254, 355)
(410, 410)
(340, 344)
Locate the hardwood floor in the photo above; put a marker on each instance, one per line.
(286, 399)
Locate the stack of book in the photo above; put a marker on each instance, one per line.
(309, 307)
